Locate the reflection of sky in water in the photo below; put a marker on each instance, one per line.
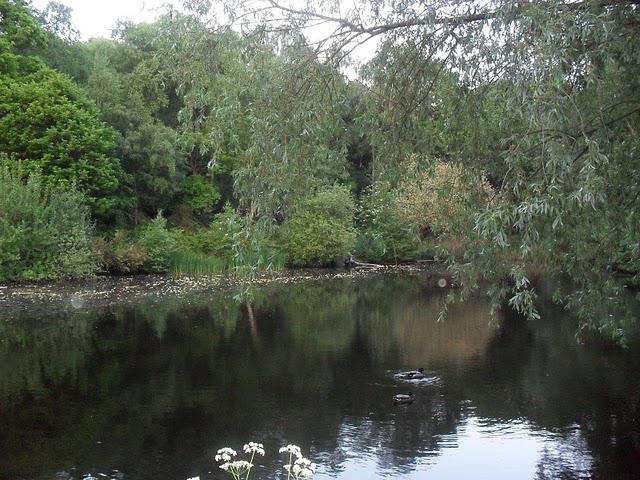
(152, 390)
(478, 450)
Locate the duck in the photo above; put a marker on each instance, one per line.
(401, 398)
(413, 374)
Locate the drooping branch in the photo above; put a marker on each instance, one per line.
(451, 21)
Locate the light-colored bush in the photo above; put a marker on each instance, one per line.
(45, 232)
(440, 199)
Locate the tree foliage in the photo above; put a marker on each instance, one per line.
(47, 124)
(440, 198)
(45, 231)
(239, 109)
(558, 84)
(321, 229)
(126, 81)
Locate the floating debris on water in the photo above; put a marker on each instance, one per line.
(108, 290)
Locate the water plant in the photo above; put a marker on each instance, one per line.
(186, 262)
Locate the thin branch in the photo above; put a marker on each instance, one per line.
(451, 21)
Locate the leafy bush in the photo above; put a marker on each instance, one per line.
(217, 239)
(255, 250)
(230, 242)
(382, 234)
(120, 255)
(45, 232)
(440, 200)
(47, 124)
(202, 195)
(159, 243)
(321, 229)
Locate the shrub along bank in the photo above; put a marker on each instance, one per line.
(46, 232)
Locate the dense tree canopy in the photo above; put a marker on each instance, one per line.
(508, 128)
(126, 82)
(557, 85)
(47, 124)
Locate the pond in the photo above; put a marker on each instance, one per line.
(150, 389)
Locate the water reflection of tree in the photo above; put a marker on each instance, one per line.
(539, 373)
(33, 354)
(160, 382)
(164, 385)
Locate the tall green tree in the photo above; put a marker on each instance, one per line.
(47, 124)
(134, 97)
(239, 115)
(63, 51)
(565, 79)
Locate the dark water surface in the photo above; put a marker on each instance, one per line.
(152, 390)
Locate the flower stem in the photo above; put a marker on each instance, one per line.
(250, 465)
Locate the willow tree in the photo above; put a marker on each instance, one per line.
(251, 107)
(566, 76)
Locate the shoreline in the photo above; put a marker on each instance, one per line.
(108, 290)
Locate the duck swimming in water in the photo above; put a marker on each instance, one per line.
(413, 374)
(403, 398)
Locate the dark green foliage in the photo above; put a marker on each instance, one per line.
(47, 124)
(120, 255)
(229, 242)
(218, 238)
(19, 29)
(321, 229)
(126, 81)
(62, 50)
(159, 243)
(201, 194)
(382, 233)
(44, 231)
(150, 249)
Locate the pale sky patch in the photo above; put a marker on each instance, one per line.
(97, 18)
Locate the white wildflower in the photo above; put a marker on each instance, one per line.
(292, 450)
(194, 478)
(239, 467)
(304, 468)
(225, 454)
(253, 448)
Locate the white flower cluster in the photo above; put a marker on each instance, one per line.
(299, 469)
(305, 464)
(292, 450)
(238, 467)
(302, 467)
(253, 448)
(225, 454)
